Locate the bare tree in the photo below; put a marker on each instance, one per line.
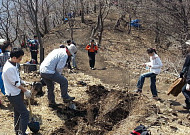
(82, 11)
(104, 8)
(126, 8)
(32, 10)
(169, 19)
(9, 21)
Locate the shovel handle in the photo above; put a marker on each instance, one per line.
(29, 104)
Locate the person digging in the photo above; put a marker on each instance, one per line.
(14, 91)
(51, 69)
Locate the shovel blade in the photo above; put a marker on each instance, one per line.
(34, 126)
(72, 106)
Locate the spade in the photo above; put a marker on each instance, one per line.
(33, 125)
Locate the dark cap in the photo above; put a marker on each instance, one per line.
(92, 40)
(62, 46)
(68, 41)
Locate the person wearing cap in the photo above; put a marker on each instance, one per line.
(92, 50)
(73, 57)
(186, 74)
(68, 64)
(51, 71)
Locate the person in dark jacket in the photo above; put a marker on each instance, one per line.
(34, 45)
(186, 74)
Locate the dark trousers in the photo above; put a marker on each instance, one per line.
(91, 56)
(21, 114)
(186, 94)
(49, 79)
(34, 56)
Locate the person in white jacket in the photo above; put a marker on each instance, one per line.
(154, 66)
(51, 71)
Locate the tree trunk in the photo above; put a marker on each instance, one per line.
(45, 25)
(100, 32)
(129, 26)
(71, 25)
(35, 12)
(118, 22)
(82, 11)
(63, 12)
(95, 7)
(157, 33)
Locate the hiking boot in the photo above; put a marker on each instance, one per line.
(186, 106)
(155, 98)
(52, 104)
(138, 91)
(66, 100)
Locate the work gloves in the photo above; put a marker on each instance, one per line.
(27, 94)
(24, 83)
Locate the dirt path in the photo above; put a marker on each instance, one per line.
(106, 73)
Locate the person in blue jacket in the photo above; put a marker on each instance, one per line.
(4, 56)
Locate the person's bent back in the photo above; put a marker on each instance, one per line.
(51, 69)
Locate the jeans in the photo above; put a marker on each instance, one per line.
(1, 84)
(152, 82)
(21, 114)
(74, 61)
(91, 56)
(49, 79)
(186, 94)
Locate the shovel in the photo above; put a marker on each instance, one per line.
(33, 125)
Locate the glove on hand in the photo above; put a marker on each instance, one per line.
(27, 94)
(23, 82)
(188, 87)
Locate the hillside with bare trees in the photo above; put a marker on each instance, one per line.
(105, 101)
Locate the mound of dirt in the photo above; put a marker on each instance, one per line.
(100, 114)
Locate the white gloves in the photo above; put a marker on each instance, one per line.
(188, 87)
(22, 82)
(27, 94)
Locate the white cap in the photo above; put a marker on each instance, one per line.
(2, 41)
(188, 42)
(72, 49)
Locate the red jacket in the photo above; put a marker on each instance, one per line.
(91, 48)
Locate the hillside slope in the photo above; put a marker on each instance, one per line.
(107, 105)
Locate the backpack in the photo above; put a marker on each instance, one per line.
(140, 130)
